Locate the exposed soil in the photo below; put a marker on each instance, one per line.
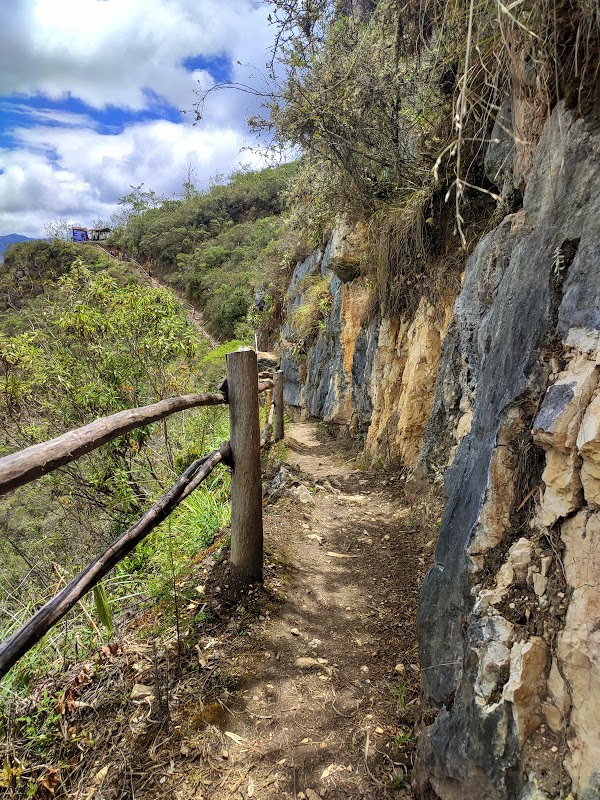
(305, 687)
(338, 722)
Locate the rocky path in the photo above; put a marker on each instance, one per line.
(322, 687)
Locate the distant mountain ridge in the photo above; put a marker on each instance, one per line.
(11, 238)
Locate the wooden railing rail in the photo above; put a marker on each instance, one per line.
(55, 609)
(241, 454)
(25, 466)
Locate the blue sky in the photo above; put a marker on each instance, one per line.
(92, 94)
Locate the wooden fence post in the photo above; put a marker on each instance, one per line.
(278, 402)
(246, 486)
(268, 404)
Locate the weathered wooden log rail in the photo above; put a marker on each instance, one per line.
(241, 454)
(25, 466)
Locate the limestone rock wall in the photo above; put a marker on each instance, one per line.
(373, 378)
(499, 393)
(326, 377)
(510, 613)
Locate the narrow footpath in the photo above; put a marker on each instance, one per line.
(303, 688)
(321, 688)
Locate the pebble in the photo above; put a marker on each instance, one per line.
(142, 692)
(294, 631)
(306, 662)
(311, 795)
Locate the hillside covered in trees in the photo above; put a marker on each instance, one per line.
(220, 247)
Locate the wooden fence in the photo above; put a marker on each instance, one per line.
(242, 454)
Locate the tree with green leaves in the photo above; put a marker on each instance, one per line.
(97, 348)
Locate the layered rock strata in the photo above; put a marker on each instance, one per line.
(373, 378)
(509, 614)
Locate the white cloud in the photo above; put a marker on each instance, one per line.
(113, 52)
(79, 173)
(118, 54)
(55, 115)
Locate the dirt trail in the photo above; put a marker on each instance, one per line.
(195, 315)
(302, 688)
(323, 686)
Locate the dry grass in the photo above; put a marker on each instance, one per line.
(308, 318)
(530, 55)
(400, 250)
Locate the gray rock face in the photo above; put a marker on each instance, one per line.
(529, 280)
(500, 155)
(325, 362)
(362, 368)
(317, 378)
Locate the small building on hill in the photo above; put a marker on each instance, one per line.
(92, 235)
(80, 234)
(97, 234)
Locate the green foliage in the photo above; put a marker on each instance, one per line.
(136, 203)
(404, 737)
(160, 233)
(213, 363)
(309, 318)
(93, 347)
(97, 348)
(102, 606)
(215, 245)
(32, 268)
(224, 273)
(193, 525)
(356, 102)
(96, 344)
(41, 726)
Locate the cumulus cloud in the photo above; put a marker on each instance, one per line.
(134, 63)
(123, 52)
(80, 174)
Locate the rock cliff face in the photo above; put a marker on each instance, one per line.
(500, 392)
(375, 379)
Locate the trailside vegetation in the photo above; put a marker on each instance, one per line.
(90, 339)
(216, 246)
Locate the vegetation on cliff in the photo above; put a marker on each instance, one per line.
(392, 107)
